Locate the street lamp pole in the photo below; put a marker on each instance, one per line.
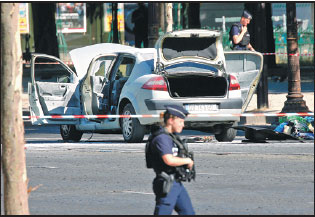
(294, 102)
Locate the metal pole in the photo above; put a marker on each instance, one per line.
(262, 88)
(294, 102)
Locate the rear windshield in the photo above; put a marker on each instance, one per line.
(179, 47)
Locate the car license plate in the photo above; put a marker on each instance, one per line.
(201, 107)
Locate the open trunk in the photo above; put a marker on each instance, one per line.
(197, 86)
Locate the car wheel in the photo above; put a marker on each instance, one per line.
(69, 132)
(226, 135)
(132, 130)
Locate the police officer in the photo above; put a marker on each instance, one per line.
(167, 186)
(239, 35)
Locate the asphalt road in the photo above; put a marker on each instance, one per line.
(104, 175)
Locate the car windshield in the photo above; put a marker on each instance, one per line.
(180, 47)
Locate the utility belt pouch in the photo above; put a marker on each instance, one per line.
(167, 181)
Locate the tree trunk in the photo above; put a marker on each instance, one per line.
(194, 16)
(271, 47)
(45, 28)
(162, 17)
(153, 23)
(256, 37)
(258, 34)
(252, 8)
(115, 22)
(12, 128)
(169, 17)
(184, 13)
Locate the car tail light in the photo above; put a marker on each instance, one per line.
(234, 85)
(156, 83)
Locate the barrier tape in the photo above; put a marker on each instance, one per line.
(296, 54)
(267, 54)
(157, 116)
(48, 63)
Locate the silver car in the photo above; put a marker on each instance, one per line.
(187, 68)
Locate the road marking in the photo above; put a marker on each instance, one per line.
(45, 167)
(132, 192)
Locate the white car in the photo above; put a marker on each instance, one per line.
(187, 68)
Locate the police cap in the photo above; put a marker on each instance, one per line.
(177, 111)
(246, 14)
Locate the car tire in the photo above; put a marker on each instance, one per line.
(132, 130)
(226, 135)
(70, 133)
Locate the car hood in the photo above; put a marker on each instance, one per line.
(191, 50)
(82, 57)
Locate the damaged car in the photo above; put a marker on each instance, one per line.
(187, 68)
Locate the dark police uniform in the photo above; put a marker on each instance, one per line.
(236, 30)
(176, 197)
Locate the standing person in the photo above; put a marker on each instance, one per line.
(168, 155)
(140, 19)
(239, 35)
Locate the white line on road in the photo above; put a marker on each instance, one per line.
(132, 192)
(212, 174)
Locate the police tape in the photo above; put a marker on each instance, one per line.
(157, 116)
(48, 63)
(267, 54)
(295, 54)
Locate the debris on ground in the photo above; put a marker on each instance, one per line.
(297, 126)
(261, 133)
(199, 139)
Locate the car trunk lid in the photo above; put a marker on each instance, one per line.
(190, 51)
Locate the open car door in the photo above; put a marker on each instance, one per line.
(247, 67)
(54, 90)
